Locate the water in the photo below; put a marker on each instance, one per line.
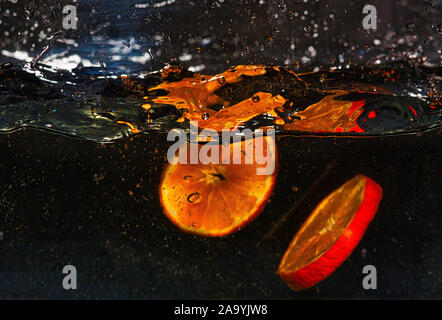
(83, 140)
(367, 101)
(88, 182)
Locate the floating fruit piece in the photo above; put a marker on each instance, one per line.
(329, 115)
(218, 199)
(330, 233)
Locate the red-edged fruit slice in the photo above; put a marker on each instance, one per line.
(330, 233)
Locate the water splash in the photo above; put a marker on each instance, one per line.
(355, 101)
(45, 49)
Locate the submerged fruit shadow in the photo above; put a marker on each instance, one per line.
(217, 199)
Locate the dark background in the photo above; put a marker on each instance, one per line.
(218, 34)
(67, 201)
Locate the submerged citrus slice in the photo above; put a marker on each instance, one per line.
(216, 199)
(330, 233)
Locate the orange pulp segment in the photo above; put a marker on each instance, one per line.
(218, 199)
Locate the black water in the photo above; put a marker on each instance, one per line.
(68, 201)
(74, 201)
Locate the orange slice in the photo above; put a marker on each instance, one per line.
(330, 233)
(218, 199)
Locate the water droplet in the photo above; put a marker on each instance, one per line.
(439, 28)
(280, 110)
(307, 28)
(193, 197)
(364, 253)
(6, 65)
(221, 80)
(133, 16)
(255, 99)
(29, 12)
(205, 116)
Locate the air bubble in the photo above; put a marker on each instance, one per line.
(221, 80)
(193, 197)
(29, 12)
(6, 65)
